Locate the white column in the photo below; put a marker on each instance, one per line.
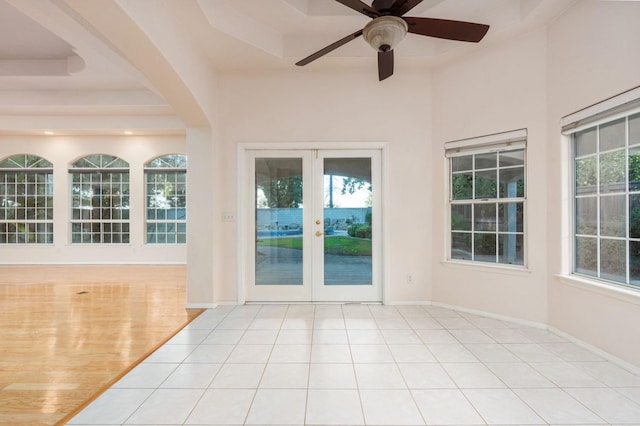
(200, 189)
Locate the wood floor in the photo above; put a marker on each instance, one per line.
(68, 332)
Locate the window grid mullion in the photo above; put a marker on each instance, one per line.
(497, 204)
(598, 202)
(627, 213)
(473, 207)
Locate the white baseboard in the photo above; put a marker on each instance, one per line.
(201, 305)
(409, 303)
(93, 263)
(600, 352)
(507, 318)
(604, 354)
(227, 303)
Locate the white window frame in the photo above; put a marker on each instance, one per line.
(102, 223)
(499, 142)
(177, 222)
(624, 105)
(39, 228)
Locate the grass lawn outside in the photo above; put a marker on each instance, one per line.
(340, 245)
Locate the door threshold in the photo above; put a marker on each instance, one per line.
(311, 303)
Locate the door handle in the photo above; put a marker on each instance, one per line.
(319, 234)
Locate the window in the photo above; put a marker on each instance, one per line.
(100, 200)
(606, 208)
(26, 200)
(487, 198)
(166, 199)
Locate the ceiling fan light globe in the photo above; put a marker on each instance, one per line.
(385, 31)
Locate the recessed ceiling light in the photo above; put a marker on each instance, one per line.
(48, 132)
(128, 132)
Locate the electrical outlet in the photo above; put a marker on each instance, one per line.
(409, 278)
(228, 217)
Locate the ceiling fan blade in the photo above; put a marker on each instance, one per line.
(329, 48)
(382, 4)
(447, 29)
(360, 7)
(385, 64)
(403, 6)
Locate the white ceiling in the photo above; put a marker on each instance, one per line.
(55, 59)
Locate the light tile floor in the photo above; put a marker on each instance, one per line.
(366, 365)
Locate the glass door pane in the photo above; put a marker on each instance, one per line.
(278, 221)
(348, 221)
(347, 226)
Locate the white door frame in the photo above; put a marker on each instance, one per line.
(243, 205)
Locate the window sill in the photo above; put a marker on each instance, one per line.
(26, 244)
(599, 287)
(486, 267)
(99, 245)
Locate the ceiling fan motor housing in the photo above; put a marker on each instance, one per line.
(385, 32)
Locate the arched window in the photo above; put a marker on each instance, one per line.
(26, 200)
(100, 200)
(166, 199)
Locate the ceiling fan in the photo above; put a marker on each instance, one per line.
(389, 26)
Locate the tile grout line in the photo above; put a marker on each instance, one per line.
(407, 317)
(214, 376)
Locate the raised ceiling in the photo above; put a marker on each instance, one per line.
(69, 57)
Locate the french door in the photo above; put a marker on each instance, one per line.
(315, 225)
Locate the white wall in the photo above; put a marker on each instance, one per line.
(62, 151)
(527, 82)
(345, 106)
(497, 89)
(585, 56)
(593, 54)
